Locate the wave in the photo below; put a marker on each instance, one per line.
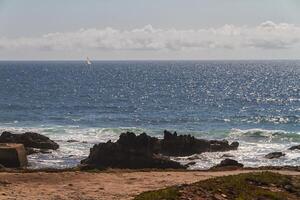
(264, 134)
(96, 134)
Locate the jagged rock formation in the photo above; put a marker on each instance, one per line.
(143, 151)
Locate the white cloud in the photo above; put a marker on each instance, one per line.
(267, 35)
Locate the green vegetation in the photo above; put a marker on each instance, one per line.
(264, 185)
(164, 194)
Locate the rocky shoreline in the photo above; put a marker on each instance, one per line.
(131, 151)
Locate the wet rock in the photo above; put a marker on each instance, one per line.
(274, 155)
(229, 163)
(72, 141)
(297, 147)
(190, 164)
(185, 145)
(13, 155)
(30, 151)
(194, 157)
(130, 151)
(29, 139)
(44, 151)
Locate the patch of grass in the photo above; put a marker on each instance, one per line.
(263, 185)
(171, 193)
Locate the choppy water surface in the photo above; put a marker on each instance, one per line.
(254, 102)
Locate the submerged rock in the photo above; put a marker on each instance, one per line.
(190, 164)
(72, 141)
(228, 163)
(274, 155)
(185, 145)
(29, 139)
(297, 147)
(130, 151)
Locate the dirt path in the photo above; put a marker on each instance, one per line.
(92, 186)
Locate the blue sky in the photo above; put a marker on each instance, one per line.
(156, 29)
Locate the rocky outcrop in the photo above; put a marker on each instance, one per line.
(12, 155)
(228, 163)
(185, 145)
(130, 151)
(143, 151)
(297, 147)
(29, 140)
(274, 155)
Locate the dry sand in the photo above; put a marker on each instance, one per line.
(91, 186)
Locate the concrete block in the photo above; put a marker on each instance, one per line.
(13, 155)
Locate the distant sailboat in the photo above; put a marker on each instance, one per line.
(88, 61)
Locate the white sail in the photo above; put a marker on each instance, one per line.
(88, 61)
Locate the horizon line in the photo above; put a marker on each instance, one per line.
(99, 60)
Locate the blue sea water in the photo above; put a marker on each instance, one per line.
(254, 102)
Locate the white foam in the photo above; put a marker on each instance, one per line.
(250, 152)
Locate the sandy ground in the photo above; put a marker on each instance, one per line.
(92, 186)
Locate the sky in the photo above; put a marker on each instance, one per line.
(149, 29)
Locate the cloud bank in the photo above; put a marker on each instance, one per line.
(267, 35)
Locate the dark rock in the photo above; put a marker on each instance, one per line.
(194, 157)
(185, 145)
(289, 188)
(44, 151)
(274, 155)
(234, 145)
(29, 139)
(30, 150)
(142, 143)
(143, 151)
(297, 147)
(72, 141)
(190, 163)
(130, 151)
(229, 163)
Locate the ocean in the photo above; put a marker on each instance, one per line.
(256, 103)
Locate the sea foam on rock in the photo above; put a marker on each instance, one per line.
(143, 151)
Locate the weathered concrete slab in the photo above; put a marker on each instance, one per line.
(13, 155)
